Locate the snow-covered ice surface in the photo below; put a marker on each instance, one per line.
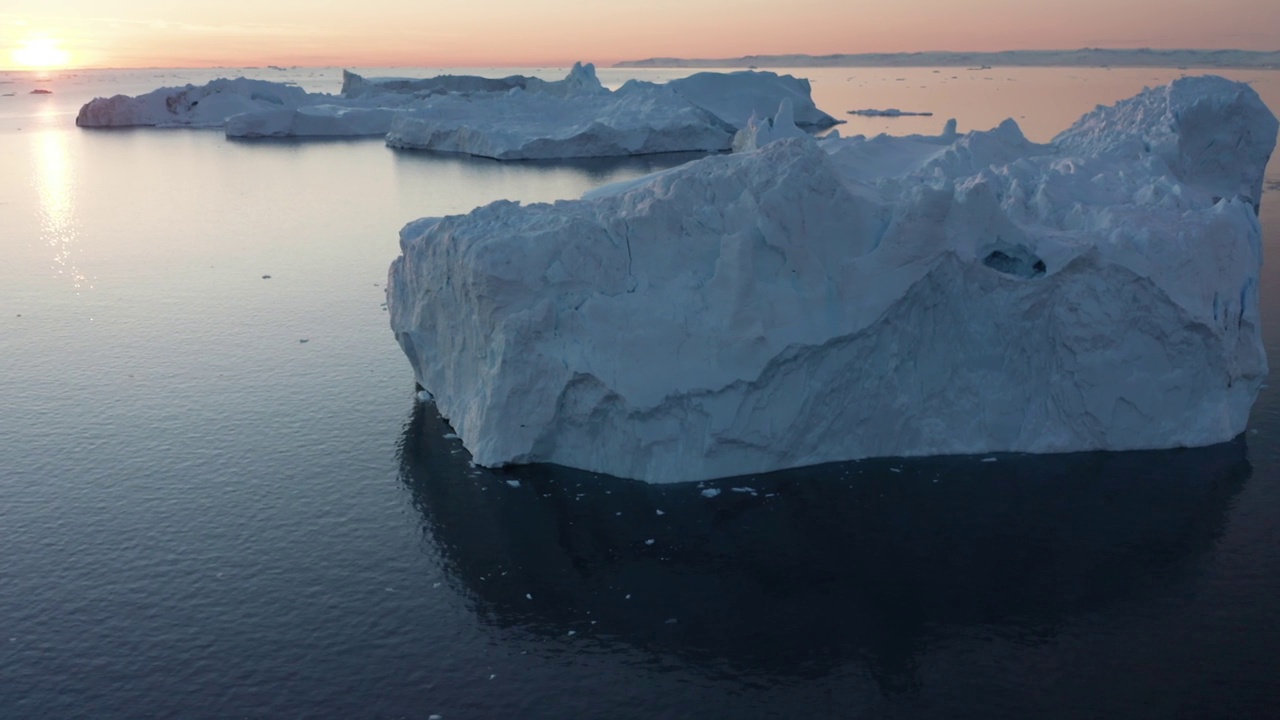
(812, 302)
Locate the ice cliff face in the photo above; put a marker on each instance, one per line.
(809, 302)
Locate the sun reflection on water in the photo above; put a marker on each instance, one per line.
(55, 184)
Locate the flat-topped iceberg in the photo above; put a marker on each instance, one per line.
(811, 302)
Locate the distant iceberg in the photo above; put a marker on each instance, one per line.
(736, 96)
(638, 119)
(889, 112)
(584, 119)
(354, 85)
(204, 106)
(515, 117)
(814, 301)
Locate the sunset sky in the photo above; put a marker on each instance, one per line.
(196, 33)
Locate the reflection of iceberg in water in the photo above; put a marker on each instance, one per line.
(867, 562)
(54, 185)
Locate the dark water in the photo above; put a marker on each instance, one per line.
(202, 516)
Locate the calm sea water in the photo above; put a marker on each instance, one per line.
(218, 498)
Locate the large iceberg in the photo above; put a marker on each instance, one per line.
(818, 301)
(355, 85)
(578, 117)
(515, 117)
(369, 107)
(638, 119)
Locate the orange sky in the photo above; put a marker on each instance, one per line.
(194, 33)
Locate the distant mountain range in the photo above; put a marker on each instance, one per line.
(1087, 57)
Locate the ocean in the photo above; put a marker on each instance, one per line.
(219, 498)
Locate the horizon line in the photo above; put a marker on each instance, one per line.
(620, 64)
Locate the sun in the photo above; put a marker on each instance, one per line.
(41, 53)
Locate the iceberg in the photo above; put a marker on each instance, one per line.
(889, 113)
(203, 106)
(354, 85)
(368, 107)
(511, 118)
(735, 97)
(638, 119)
(578, 117)
(815, 301)
(580, 78)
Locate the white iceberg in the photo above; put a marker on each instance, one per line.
(578, 117)
(354, 85)
(581, 78)
(775, 309)
(638, 119)
(734, 97)
(367, 107)
(510, 118)
(203, 106)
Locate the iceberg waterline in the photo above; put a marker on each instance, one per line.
(516, 117)
(813, 301)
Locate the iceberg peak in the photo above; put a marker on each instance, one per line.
(759, 133)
